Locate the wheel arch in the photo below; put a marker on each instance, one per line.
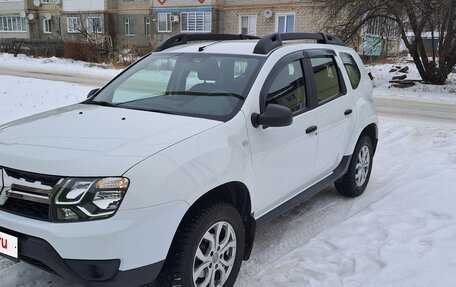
(372, 132)
(369, 128)
(235, 193)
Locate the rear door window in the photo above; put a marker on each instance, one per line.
(326, 76)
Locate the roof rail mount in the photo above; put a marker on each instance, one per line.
(182, 39)
(275, 40)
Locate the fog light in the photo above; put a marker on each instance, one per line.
(66, 214)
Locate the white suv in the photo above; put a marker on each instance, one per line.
(163, 174)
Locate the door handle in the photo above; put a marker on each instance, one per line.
(347, 112)
(311, 129)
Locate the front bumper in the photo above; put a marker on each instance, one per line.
(126, 250)
(41, 254)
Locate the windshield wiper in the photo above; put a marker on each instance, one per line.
(196, 94)
(150, 110)
(102, 103)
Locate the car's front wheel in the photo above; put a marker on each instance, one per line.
(208, 249)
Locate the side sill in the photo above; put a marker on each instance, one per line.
(337, 173)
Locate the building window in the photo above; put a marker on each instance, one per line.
(164, 22)
(381, 26)
(47, 26)
(248, 25)
(285, 23)
(147, 30)
(196, 21)
(13, 24)
(95, 24)
(130, 26)
(45, 1)
(74, 25)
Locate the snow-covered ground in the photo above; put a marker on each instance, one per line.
(55, 65)
(20, 97)
(419, 92)
(401, 232)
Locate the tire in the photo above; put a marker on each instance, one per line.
(183, 263)
(355, 180)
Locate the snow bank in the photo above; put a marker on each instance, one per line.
(419, 92)
(55, 65)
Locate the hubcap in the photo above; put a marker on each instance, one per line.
(215, 256)
(362, 166)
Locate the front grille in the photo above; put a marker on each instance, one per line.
(27, 194)
(26, 208)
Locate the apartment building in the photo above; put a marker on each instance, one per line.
(146, 23)
(172, 17)
(130, 22)
(83, 20)
(44, 19)
(13, 19)
(260, 17)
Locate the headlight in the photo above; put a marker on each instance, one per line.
(81, 199)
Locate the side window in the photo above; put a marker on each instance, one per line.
(352, 69)
(326, 77)
(288, 88)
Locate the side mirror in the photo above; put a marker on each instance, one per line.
(92, 92)
(274, 116)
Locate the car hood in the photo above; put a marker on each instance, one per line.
(89, 140)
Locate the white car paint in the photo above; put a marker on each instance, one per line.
(89, 136)
(171, 161)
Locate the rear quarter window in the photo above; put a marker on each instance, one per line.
(352, 69)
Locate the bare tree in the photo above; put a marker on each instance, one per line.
(414, 19)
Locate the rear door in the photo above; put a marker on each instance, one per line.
(334, 106)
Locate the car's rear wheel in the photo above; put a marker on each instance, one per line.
(355, 181)
(208, 249)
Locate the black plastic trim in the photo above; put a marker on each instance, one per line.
(95, 273)
(318, 53)
(340, 170)
(182, 39)
(92, 93)
(272, 41)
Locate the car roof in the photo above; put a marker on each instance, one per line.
(243, 47)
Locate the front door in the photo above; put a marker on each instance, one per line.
(283, 158)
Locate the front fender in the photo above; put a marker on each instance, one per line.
(189, 169)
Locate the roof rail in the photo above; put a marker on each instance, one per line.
(274, 40)
(182, 39)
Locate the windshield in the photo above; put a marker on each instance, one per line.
(199, 85)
